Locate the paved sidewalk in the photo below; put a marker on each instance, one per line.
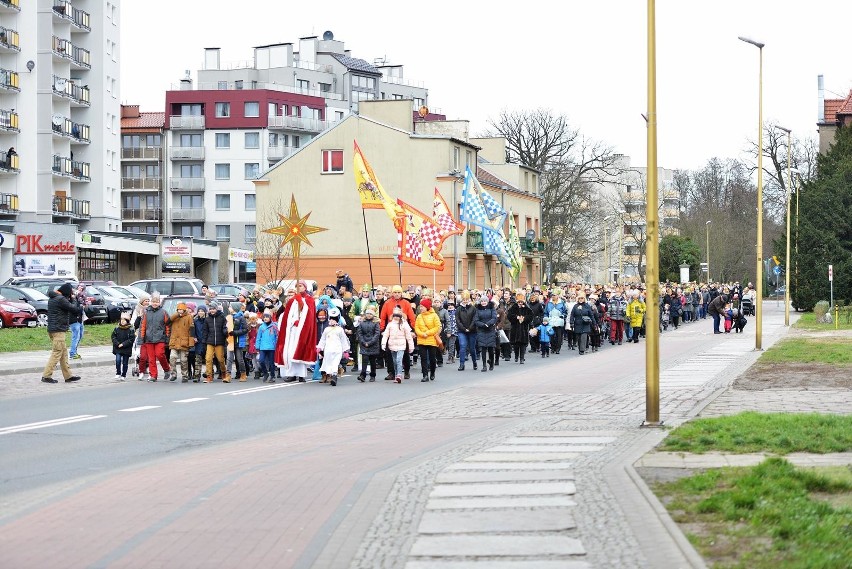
(31, 362)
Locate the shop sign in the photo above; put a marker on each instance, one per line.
(38, 244)
(240, 255)
(176, 254)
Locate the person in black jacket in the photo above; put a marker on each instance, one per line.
(215, 337)
(60, 312)
(466, 330)
(583, 320)
(123, 337)
(485, 323)
(521, 317)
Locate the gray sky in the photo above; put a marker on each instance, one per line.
(586, 59)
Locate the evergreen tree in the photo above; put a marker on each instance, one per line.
(674, 250)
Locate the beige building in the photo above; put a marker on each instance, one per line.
(833, 113)
(410, 159)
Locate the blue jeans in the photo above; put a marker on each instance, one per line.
(76, 336)
(267, 362)
(397, 361)
(716, 322)
(467, 344)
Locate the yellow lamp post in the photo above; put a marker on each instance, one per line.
(707, 225)
(758, 302)
(787, 257)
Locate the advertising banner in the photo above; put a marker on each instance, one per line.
(176, 253)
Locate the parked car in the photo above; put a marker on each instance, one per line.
(96, 306)
(31, 296)
(17, 314)
(42, 284)
(230, 289)
(133, 291)
(115, 301)
(98, 283)
(170, 303)
(169, 286)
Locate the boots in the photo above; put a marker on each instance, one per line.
(208, 378)
(257, 374)
(243, 377)
(227, 378)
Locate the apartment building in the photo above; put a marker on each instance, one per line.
(241, 118)
(142, 152)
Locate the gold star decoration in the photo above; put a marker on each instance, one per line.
(295, 229)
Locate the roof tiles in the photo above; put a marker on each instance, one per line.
(145, 120)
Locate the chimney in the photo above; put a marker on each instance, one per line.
(820, 100)
(186, 82)
(129, 111)
(211, 58)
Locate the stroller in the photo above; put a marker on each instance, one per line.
(665, 318)
(747, 306)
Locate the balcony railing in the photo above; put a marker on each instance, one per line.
(142, 153)
(68, 89)
(143, 214)
(193, 122)
(141, 184)
(9, 40)
(474, 241)
(9, 80)
(64, 206)
(9, 121)
(298, 123)
(64, 49)
(10, 6)
(64, 10)
(277, 152)
(8, 203)
(66, 127)
(186, 153)
(9, 162)
(64, 166)
(237, 86)
(179, 183)
(187, 214)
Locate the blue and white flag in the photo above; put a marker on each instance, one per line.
(494, 243)
(478, 207)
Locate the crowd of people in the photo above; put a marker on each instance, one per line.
(299, 334)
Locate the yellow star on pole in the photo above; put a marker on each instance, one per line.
(295, 229)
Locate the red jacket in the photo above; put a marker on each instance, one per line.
(387, 312)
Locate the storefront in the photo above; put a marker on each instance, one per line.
(243, 266)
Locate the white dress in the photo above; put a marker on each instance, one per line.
(332, 343)
(293, 368)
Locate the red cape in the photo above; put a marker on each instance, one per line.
(306, 350)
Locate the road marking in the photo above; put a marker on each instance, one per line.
(193, 400)
(51, 423)
(262, 388)
(134, 409)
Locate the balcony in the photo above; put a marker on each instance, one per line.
(9, 41)
(278, 152)
(299, 124)
(531, 246)
(195, 122)
(186, 153)
(474, 242)
(9, 121)
(67, 168)
(9, 80)
(64, 206)
(142, 153)
(10, 6)
(186, 214)
(65, 50)
(143, 214)
(180, 184)
(9, 163)
(65, 127)
(63, 10)
(141, 184)
(9, 204)
(67, 89)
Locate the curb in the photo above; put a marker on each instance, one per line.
(38, 369)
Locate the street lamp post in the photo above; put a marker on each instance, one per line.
(707, 225)
(758, 304)
(787, 254)
(796, 252)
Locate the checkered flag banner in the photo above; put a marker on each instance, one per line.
(419, 238)
(494, 243)
(441, 214)
(475, 208)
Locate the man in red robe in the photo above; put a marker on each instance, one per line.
(295, 349)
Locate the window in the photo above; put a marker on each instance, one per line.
(325, 87)
(191, 201)
(271, 109)
(297, 142)
(223, 171)
(398, 97)
(131, 141)
(223, 233)
(251, 233)
(238, 84)
(152, 171)
(223, 201)
(223, 110)
(153, 140)
(223, 140)
(131, 171)
(190, 140)
(332, 161)
(338, 115)
(191, 230)
(273, 139)
(252, 170)
(303, 84)
(251, 109)
(190, 110)
(191, 171)
(252, 140)
(456, 153)
(251, 201)
(222, 85)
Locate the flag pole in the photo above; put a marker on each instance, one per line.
(369, 258)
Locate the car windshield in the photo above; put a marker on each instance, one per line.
(34, 294)
(112, 291)
(132, 291)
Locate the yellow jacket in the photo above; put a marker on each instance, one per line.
(427, 325)
(636, 312)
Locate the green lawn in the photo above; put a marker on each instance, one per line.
(837, 351)
(779, 433)
(765, 517)
(807, 321)
(30, 339)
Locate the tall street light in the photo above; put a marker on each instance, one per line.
(707, 225)
(758, 304)
(796, 252)
(787, 257)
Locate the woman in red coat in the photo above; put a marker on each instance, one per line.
(295, 349)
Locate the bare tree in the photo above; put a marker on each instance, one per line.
(274, 262)
(571, 165)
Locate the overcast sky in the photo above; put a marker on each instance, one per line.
(585, 59)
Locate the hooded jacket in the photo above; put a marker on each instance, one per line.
(154, 328)
(427, 325)
(485, 323)
(182, 335)
(61, 311)
(464, 318)
(215, 329)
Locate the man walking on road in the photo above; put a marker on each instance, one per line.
(60, 312)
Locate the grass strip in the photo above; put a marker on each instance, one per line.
(779, 433)
(807, 321)
(32, 339)
(836, 351)
(764, 517)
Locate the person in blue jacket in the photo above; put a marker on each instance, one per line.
(545, 334)
(267, 336)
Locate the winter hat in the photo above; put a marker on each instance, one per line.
(545, 320)
(347, 296)
(520, 296)
(214, 305)
(365, 288)
(370, 310)
(426, 303)
(396, 288)
(191, 306)
(334, 314)
(66, 289)
(267, 313)
(181, 306)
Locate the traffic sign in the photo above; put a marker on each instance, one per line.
(776, 269)
(830, 273)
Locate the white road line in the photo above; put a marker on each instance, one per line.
(193, 400)
(259, 389)
(134, 409)
(52, 423)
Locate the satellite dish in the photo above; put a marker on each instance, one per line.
(328, 36)
(60, 83)
(423, 111)
(57, 120)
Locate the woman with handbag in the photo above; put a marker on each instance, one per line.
(583, 320)
(485, 323)
(427, 327)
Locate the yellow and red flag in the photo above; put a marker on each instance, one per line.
(419, 238)
(372, 195)
(442, 216)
